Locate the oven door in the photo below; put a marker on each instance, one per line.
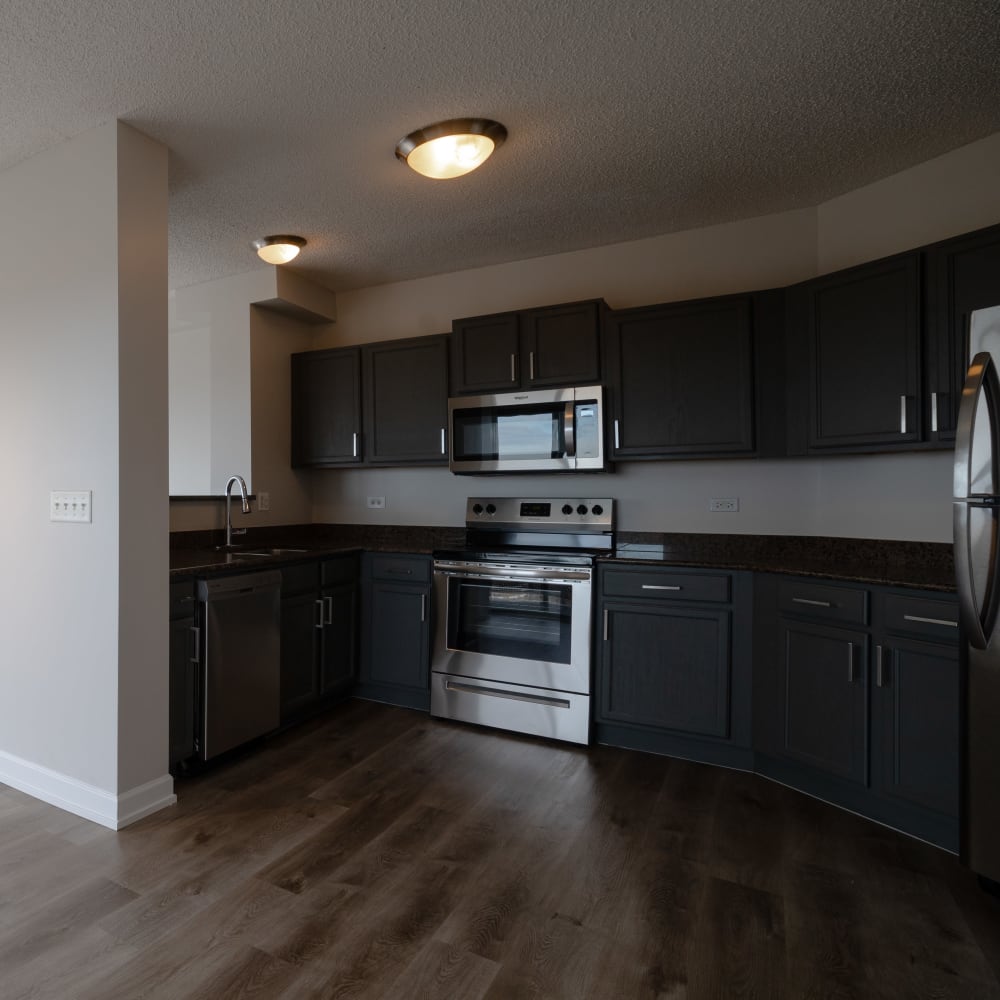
(523, 625)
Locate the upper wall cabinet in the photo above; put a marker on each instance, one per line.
(681, 377)
(534, 348)
(404, 388)
(963, 275)
(406, 401)
(326, 407)
(854, 359)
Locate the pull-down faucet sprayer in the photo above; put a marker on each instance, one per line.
(229, 501)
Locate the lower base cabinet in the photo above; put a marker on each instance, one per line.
(672, 662)
(184, 674)
(396, 647)
(319, 634)
(856, 700)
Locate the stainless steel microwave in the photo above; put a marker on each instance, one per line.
(541, 430)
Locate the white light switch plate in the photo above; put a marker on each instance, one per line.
(71, 505)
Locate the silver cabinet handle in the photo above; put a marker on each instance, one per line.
(319, 613)
(816, 604)
(878, 667)
(618, 440)
(423, 607)
(355, 443)
(659, 586)
(399, 572)
(531, 366)
(605, 624)
(850, 663)
(196, 637)
(443, 452)
(930, 621)
(934, 419)
(329, 610)
(513, 372)
(902, 414)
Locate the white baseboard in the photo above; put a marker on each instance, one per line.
(82, 799)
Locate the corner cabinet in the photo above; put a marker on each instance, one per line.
(534, 348)
(672, 664)
(854, 340)
(856, 699)
(326, 408)
(396, 631)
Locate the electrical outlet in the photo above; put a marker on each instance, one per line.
(71, 505)
(263, 501)
(727, 506)
(376, 503)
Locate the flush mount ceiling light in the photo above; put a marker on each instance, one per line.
(278, 249)
(452, 148)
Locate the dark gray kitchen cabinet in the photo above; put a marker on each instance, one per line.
(854, 339)
(856, 699)
(535, 348)
(681, 379)
(406, 401)
(319, 633)
(326, 408)
(916, 702)
(396, 634)
(671, 672)
(184, 673)
(963, 274)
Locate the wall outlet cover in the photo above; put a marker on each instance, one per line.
(376, 503)
(726, 505)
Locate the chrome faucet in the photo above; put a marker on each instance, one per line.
(229, 501)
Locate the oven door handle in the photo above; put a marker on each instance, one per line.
(517, 576)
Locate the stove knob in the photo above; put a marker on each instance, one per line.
(597, 510)
(581, 509)
(566, 509)
(490, 509)
(477, 509)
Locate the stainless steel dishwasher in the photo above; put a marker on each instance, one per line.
(241, 659)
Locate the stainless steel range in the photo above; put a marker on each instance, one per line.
(512, 637)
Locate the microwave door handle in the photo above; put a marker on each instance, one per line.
(569, 432)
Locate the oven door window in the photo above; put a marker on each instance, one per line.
(528, 621)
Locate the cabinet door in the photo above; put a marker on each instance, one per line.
(560, 345)
(484, 354)
(339, 655)
(301, 625)
(682, 379)
(665, 667)
(963, 275)
(326, 407)
(183, 688)
(397, 646)
(406, 401)
(824, 704)
(863, 331)
(915, 724)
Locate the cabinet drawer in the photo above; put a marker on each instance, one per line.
(299, 579)
(815, 600)
(181, 599)
(401, 568)
(343, 569)
(931, 619)
(666, 585)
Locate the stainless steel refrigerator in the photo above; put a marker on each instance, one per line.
(977, 567)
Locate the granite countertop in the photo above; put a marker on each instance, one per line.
(924, 565)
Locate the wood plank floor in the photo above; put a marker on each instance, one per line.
(377, 853)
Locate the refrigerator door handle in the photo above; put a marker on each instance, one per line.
(968, 613)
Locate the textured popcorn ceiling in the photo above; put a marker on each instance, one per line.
(627, 118)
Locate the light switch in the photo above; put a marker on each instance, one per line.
(71, 505)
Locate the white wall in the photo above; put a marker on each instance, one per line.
(82, 358)
(896, 497)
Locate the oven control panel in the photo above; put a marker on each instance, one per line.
(556, 513)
